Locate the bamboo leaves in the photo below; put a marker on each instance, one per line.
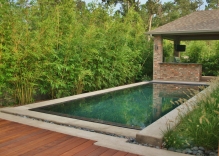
(60, 50)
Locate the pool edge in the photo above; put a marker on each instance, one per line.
(153, 134)
(150, 135)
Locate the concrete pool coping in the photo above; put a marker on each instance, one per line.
(151, 134)
(24, 110)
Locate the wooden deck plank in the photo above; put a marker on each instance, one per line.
(35, 143)
(17, 135)
(45, 147)
(7, 126)
(120, 153)
(23, 140)
(69, 147)
(55, 148)
(42, 144)
(98, 151)
(109, 152)
(17, 145)
(130, 154)
(79, 148)
(20, 138)
(87, 150)
(10, 128)
(4, 122)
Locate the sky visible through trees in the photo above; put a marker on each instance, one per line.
(143, 2)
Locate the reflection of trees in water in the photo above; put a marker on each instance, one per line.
(169, 96)
(138, 106)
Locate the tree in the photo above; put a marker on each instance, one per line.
(212, 4)
(174, 10)
(186, 7)
(126, 5)
(152, 6)
(169, 13)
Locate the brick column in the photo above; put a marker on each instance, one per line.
(158, 56)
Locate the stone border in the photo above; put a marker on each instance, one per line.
(153, 134)
(150, 135)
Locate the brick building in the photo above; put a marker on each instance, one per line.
(200, 25)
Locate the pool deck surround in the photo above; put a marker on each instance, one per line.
(38, 142)
(101, 140)
(25, 110)
(152, 134)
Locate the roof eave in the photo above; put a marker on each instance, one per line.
(182, 32)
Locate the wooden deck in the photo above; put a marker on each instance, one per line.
(18, 139)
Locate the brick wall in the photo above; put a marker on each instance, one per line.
(180, 72)
(173, 71)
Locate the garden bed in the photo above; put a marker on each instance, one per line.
(200, 127)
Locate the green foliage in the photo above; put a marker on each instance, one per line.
(212, 4)
(176, 140)
(200, 126)
(211, 62)
(62, 49)
(193, 51)
(170, 11)
(167, 48)
(204, 52)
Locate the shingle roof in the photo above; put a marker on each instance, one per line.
(196, 22)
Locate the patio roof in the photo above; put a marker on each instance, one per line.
(199, 25)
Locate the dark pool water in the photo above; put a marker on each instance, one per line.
(135, 107)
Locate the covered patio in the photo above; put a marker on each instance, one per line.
(200, 25)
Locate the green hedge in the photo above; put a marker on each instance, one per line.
(61, 49)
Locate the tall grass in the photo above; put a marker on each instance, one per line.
(200, 126)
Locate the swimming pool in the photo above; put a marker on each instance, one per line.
(135, 107)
